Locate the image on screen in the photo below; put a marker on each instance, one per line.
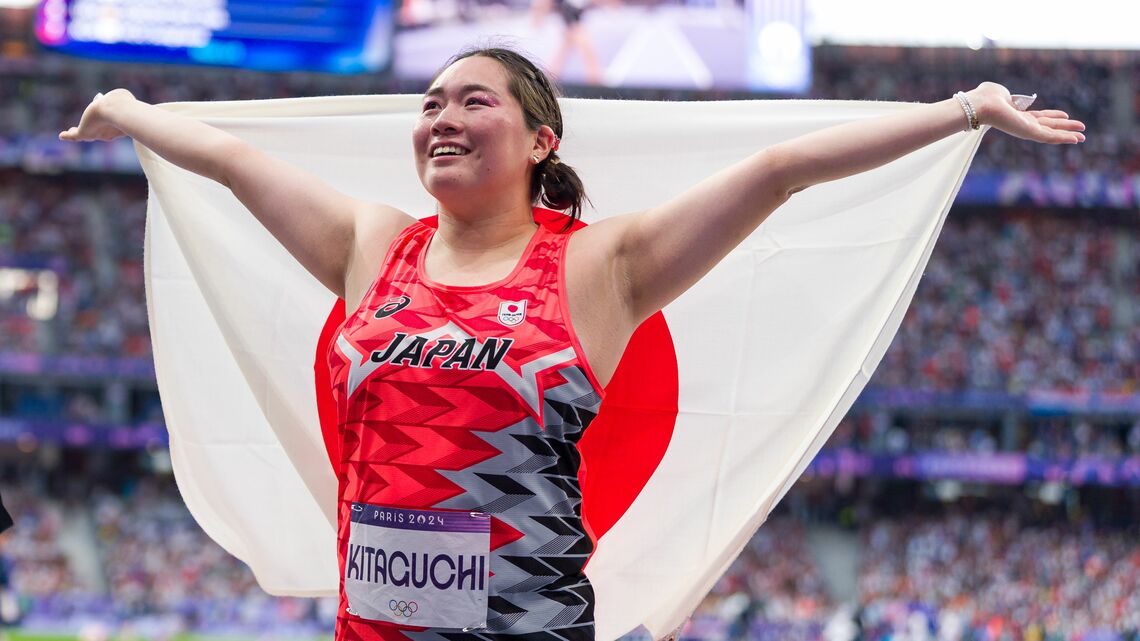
(340, 36)
(684, 44)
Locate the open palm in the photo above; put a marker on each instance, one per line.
(999, 109)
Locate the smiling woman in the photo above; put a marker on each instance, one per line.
(475, 351)
(551, 182)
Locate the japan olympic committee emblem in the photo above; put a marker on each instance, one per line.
(512, 312)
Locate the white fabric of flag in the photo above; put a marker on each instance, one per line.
(773, 345)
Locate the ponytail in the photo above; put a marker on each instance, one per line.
(557, 186)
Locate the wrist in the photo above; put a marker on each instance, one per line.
(114, 103)
(984, 105)
(969, 117)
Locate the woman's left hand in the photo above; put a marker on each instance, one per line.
(995, 107)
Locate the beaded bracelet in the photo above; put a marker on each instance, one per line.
(968, 107)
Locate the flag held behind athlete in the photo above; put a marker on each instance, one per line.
(770, 349)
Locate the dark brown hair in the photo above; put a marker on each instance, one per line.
(553, 182)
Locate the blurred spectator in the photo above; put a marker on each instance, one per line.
(160, 570)
(39, 566)
(1049, 437)
(994, 579)
(1018, 302)
(91, 236)
(775, 580)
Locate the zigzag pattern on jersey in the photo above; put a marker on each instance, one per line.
(540, 591)
(464, 439)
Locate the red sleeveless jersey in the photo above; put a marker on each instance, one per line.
(473, 398)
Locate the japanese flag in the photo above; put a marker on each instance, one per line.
(718, 405)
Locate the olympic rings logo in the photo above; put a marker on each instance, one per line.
(403, 608)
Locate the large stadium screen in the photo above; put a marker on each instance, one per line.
(1111, 24)
(685, 44)
(341, 36)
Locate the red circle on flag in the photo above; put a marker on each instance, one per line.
(623, 445)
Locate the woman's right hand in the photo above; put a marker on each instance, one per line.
(95, 123)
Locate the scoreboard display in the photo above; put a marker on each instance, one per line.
(339, 36)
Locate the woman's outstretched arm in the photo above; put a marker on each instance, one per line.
(317, 224)
(661, 252)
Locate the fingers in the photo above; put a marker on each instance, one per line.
(1064, 124)
(1050, 113)
(1061, 136)
(1058, 136)
(72, 134)
(1052, 126)
(1058, 128)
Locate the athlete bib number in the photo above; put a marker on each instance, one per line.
(425, 568)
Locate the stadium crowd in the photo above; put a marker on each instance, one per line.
(91, 235)
(1064, 437)
(1012, 301)
(41, 95)
(775, 581)
(38, 566)
(158, 561)
(950, 578)
(956, 577)
(1052, 437)
(1084, 85)
(994, 578)
(1023, 300)
(154, 567)
(1008, 303)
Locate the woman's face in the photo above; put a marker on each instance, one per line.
(471, 142)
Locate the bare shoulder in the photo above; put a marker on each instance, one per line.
(601, 240)
(374, 221)
(377, 225)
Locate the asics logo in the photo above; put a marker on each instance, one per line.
(394, 304)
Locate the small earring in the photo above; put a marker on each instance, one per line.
(534, 158)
